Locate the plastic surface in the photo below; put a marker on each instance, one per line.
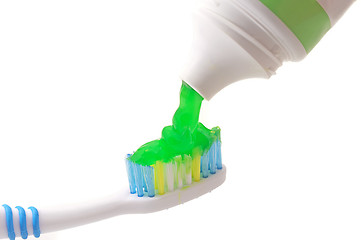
(18, 222)
(22, 222)
(9, 222)
(59, 218)
(306, 19)
(236, 40)
(217, 60)
(36, 227)
(335, 8)
(240, 39)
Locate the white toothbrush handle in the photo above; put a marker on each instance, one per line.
(54, 219)
(69, 216)
(63, 217)
(58, 218)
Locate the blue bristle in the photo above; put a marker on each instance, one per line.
(149, 180)
(131, 176)
(144, 181)
(139, 179)
(212, 158)
(204, 165)
(218, 155)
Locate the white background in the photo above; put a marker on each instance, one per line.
(82, 83)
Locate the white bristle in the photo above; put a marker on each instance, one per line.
(181, 172)
(169, 176)
(189, 179)
(188, 169)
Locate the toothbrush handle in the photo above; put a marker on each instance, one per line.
(13, 223)
(74, 215)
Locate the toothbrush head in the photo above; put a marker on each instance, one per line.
(179, 174)
(178, 196)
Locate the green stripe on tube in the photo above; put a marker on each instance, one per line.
(305, 18)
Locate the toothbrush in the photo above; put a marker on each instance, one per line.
(14, 222)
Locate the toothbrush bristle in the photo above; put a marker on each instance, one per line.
(163, 177)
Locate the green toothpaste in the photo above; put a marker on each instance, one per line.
(186, 136)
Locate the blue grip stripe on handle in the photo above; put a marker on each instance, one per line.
(22, 220)
(9, 222)
(36, 227)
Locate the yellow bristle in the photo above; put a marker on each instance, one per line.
(159, 175)
(196, 167)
